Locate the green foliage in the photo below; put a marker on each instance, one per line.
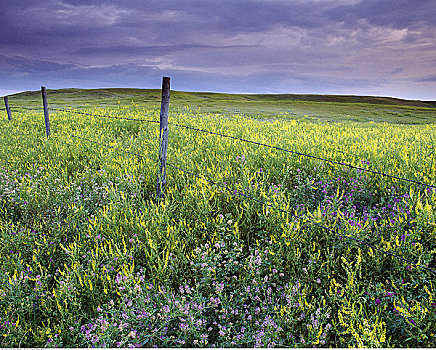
(89, 258)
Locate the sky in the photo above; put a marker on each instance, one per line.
(352, 47)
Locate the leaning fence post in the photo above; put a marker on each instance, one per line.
(163, 138)
(8, 109)
(45, 105)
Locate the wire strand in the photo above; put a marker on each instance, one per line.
(103, 115)
(27, 108)
(305, 155)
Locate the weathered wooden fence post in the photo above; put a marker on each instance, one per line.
(8, 109)
(45, 105)
(163, 139)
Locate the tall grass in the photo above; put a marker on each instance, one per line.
(90, 259)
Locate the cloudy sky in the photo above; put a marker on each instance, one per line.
(367, 47)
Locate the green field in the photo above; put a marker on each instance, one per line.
(252, 247)
(307, 107)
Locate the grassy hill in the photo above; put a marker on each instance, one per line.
(264, 106)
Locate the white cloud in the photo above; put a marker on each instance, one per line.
(90, 15)
(279, 36)
(60, 14)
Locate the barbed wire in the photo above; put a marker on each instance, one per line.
(27, 108)
(305, 155)
(299, 217)
(103, 115)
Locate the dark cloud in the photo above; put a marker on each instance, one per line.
(396, 71)
(390, 13)
(26, 65)
(127, 76)
(232, 16)
(428, 79)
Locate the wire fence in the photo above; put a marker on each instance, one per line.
(251, 142)
(241, 193)
(103, 115)
(258, 144)
(27, 108)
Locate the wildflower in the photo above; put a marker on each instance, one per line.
(377, 301)
(132, 334)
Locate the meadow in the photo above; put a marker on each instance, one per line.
(252, 246)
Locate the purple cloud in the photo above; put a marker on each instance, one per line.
(368, 47)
